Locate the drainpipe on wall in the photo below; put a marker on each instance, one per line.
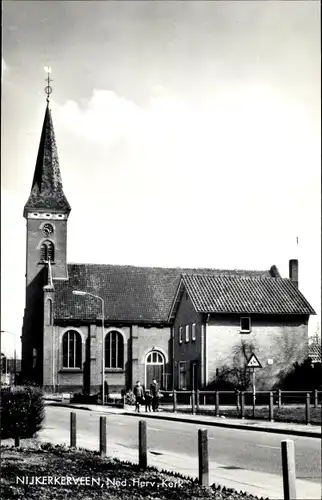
(173, 365)
(205, 349)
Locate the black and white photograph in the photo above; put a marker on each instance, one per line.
(161, 250)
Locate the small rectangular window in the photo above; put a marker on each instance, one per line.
(187, 333)
(180, 335)
(245, 325)
(193, 332)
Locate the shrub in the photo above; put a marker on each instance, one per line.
(302, 377)
(22, 412)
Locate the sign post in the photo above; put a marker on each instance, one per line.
(254, 393)
(253, 363)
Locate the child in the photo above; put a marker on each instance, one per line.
(138, 393)
(148, 400)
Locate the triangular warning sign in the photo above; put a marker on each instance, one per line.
(253, 362)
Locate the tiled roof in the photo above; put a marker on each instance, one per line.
(137, 294)
(315, 349)
(252, 295)
(47, 188)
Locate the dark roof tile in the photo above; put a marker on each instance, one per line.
(245, 295)
(130, 293)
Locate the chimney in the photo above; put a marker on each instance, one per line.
(294, 271)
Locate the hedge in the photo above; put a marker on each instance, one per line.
(22, 412)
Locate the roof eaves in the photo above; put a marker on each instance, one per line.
(176, 301)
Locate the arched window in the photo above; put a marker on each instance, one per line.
(154, 358)
(47, 251)
(114, 350)
(72, 349)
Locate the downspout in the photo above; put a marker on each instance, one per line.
(172, 355)
(205, 349)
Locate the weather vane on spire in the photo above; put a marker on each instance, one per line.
(48, 88)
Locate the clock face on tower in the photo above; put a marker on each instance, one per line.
(47, 229)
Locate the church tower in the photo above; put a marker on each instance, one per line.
(46, 213)
(47, 210)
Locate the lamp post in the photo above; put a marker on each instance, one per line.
(79, 292)
(15, 353)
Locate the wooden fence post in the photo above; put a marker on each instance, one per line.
(72, 429)
(315, 398)
(217, 404)
(288, 467)
(203, 459)
(174, 401)
(143, 451)
(279, 399)
(238, 400)
(193, 402)
(271, 406)
(102, 436)
(198, 400)
(17, 441)
(307, 408)
(242, 404)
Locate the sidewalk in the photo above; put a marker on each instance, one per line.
(257, 483)
(234, 423)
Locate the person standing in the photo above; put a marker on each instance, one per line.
(154, 388)
(139, 395)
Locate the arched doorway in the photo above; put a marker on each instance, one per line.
(154, 368)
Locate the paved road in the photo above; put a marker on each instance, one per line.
(234, 449)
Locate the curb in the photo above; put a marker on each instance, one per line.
(230, 425)
(293, 432)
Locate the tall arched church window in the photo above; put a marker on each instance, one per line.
(72, 349)
(114, 350)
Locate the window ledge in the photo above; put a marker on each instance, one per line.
(70, 370)
(245, 331)
(117, 370)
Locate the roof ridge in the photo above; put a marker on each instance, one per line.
(257, 277)
(177, 268)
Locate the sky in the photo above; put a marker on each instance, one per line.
(188, 135)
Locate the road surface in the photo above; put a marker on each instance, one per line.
(233, 448)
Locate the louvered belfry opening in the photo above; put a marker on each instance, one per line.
(47, 251)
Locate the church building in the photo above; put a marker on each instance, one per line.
(86, 322)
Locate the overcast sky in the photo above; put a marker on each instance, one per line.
(188, 134)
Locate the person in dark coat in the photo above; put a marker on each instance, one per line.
(148, 400)
(154, 388)
(139, 395)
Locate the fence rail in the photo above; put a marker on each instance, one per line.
(195, 401)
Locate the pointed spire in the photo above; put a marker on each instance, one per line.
(47, 188)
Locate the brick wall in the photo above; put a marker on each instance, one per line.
(282, 340)
(89, 377)
(144, 340)
(34, 240)
(187, 351)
